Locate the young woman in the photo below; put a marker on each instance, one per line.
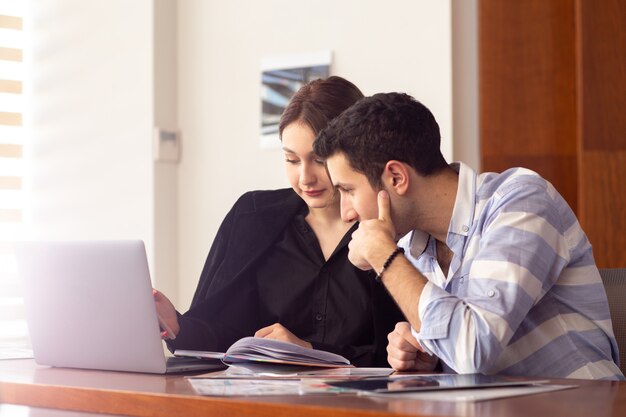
(278, 267)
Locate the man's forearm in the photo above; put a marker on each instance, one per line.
(405, 284)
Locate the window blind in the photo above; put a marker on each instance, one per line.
(13, 331)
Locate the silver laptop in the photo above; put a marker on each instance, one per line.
(90, 305)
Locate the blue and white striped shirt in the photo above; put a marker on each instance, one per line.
(523, 295)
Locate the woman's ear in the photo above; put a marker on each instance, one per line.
(396, 177)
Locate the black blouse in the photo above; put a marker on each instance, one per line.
(329, 303)
(323, 302)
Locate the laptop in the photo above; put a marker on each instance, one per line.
(89, 304)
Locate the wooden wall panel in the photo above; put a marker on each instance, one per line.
(552, 86)
(603, 74)
(603, 216)
(602, 141)
(527, 89)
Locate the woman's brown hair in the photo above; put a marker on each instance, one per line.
(318, 102)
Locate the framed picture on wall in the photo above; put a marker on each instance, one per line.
(281, 77)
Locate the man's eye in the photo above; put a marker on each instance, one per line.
(320, 162)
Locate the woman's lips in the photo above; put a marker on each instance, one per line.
(313, 193)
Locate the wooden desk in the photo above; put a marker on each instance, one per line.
(23, 382)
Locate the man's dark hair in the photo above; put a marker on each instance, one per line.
(380, 128)
(318, 102)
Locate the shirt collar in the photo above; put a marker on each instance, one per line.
(303, 227)
(418, 242)
(464, 204)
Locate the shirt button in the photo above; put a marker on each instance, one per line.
(461, 280)
(465, 228)
(491, 293)
(318, 317)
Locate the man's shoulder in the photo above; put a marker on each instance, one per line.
(523, 190)
(502, 183)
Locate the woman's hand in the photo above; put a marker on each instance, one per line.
(279, 332)
(168, 320)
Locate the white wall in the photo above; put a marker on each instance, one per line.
(94, 97)
(165, 221)
(394, 45)
(465, 82)
(116, 69)
(90, 118)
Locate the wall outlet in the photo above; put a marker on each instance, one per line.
(166, 145)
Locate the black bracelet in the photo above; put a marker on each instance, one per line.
(379, 276)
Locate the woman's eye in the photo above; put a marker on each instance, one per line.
(320, 162)
(291, 161)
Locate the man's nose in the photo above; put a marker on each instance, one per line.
(348, 214)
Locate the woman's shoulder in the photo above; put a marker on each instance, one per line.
(260, 194)
(261, 200)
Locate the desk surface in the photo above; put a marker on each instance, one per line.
(25, 383)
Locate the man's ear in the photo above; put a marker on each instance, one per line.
(396, 177)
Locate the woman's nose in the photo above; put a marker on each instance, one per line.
(307, 176)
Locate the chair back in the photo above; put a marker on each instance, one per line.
(614, 281)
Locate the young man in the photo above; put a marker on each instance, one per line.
(497, 277)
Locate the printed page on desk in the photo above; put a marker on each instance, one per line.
(256, 350)
(262, 387)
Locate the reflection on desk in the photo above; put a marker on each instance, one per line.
(23, 382)
(15, 352)
(10, 410)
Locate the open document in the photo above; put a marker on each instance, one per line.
(256, 351)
